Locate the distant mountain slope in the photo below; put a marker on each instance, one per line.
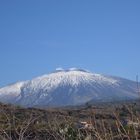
(69, 87)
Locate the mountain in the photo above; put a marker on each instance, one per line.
(69, 87)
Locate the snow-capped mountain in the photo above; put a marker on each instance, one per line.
(69, 87)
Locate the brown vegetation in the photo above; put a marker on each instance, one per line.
(109, 122)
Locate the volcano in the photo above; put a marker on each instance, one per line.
(69, 87)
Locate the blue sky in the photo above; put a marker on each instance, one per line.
(37, 36)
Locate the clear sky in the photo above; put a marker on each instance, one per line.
(37, 36)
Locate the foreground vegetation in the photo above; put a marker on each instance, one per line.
(102, 122)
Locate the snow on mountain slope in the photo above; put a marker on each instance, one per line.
(68, 87)
(9, 93)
